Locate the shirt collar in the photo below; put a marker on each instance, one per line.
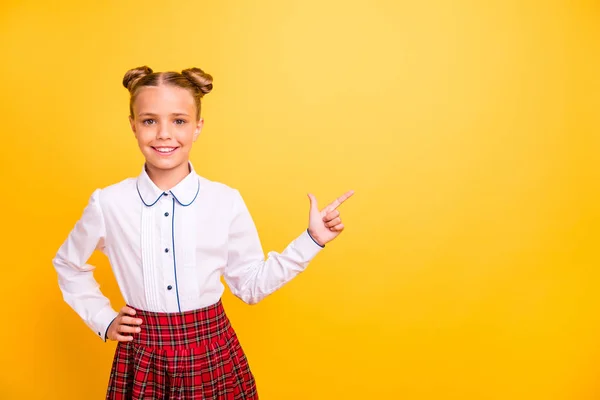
(185, 192)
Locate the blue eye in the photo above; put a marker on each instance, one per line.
(148, 121)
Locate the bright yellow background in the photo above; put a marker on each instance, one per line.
(469, 130)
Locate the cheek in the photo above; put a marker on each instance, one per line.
(144, 135)
(186, 136)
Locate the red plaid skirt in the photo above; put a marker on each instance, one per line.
(187, 355)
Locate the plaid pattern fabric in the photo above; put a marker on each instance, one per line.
(181, 356)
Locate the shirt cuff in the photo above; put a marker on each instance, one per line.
(102, 322)
(306, 246)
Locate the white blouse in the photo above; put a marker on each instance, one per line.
(168, 250)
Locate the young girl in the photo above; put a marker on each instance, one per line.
(170, 235)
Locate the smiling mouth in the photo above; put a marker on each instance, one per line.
(165, 151)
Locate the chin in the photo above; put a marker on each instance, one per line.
(165, 164)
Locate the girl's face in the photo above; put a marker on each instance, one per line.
(165, 125)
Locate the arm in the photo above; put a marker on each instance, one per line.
(249, 276)
(75, 277)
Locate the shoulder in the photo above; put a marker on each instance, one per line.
(218, 189)
(117, 192)
(225, 196)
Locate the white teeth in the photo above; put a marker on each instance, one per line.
(165, 149)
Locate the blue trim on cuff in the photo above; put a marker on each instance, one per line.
(106, 333)
(317, 243)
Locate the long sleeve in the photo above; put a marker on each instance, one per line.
(249, 276)
(75, 276)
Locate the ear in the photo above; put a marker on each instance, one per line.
(199, 127)
(132, 124)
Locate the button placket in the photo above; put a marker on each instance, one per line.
(166, 216)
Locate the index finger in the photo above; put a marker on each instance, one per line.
(127, 311)
(130, 321)
(338, 202)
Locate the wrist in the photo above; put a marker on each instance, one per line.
(108, 328)
(315, 239)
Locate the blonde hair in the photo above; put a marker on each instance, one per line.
(198, 82)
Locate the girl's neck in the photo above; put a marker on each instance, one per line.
(167, 179)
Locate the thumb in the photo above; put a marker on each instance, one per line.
(313, 203)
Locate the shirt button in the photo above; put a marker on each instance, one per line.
(166, 250)
(166, 214)
(169, 287)
(165, 194)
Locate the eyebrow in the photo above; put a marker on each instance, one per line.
(155, 115)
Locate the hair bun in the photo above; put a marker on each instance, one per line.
(134, 75)
(199, 78)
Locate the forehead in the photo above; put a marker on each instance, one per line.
(163, 99)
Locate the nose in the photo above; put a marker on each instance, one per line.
(163, 131)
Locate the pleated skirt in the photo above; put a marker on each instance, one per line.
(181, 356)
